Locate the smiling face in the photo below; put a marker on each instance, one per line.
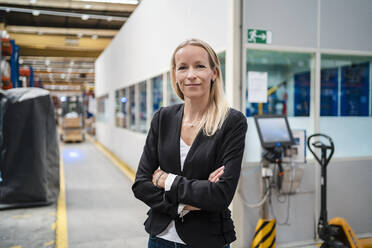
(193, 72)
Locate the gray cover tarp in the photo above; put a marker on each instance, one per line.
(29, 152)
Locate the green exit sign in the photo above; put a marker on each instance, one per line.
(259, 36)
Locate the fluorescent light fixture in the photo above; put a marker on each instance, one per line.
(65, 14)
(85, 17)
(113, 1)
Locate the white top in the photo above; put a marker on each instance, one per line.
(170, 233)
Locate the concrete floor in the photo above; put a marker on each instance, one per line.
(101, 209)
(28, 227)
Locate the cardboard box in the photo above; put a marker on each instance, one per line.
(71, 122)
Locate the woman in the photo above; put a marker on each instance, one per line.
(191, 161)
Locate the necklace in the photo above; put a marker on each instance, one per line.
(191, 124)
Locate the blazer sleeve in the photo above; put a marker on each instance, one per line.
(216, 196)
(143, 188)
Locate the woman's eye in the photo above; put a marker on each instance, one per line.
(200, 66)
(181, 68)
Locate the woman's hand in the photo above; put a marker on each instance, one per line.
(159, 177)
(215, 175)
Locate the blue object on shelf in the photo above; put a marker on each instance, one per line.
(14, 65)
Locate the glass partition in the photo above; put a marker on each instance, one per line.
(222, 58)
(101, 108)
(346, 99)
(132, 104)
(171, 94)
(142, 107)
(121, 99)
(157, 93)
(281, 79)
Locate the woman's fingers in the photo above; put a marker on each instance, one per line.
(191, 208)
(155, 176)
(215, 176)
(214, 173)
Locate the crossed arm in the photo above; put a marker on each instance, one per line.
(159, 177)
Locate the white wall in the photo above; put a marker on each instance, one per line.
(143, 48)
(144, 45)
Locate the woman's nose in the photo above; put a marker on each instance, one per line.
(190, 73)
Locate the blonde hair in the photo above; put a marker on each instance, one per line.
(218, 107)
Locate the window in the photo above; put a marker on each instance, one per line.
(157, 93)
(142, 107)
(345, 85)
(222, 58)
(101, 108)
(345, 104)
(132, 107)
(172, 96)
(287, 79)
(121, 111)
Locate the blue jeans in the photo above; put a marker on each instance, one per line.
(155, 242)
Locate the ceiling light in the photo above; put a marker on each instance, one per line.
(65, 14)
(4, 34)
(85, 17)
(32, 1)
(113, 1)
(36, 12)
(87, 6)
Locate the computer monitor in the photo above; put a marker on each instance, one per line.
(273, 130)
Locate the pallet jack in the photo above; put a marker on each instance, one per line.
(335, 233)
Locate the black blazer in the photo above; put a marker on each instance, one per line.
(212, 226)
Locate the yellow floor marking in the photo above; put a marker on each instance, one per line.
(18, 246)
(129, 172)
(61, 225)
(22, 216)
(53, 227)
(49, 243)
